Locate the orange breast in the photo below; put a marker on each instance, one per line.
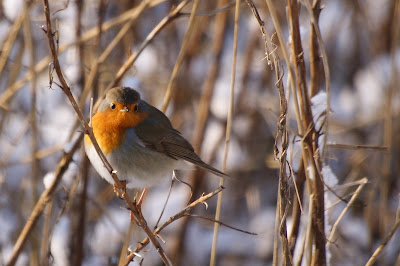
(109, 127)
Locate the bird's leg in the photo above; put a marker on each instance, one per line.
(116, 189)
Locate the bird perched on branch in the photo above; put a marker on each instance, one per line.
(139, 141)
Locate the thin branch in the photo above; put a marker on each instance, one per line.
(221, 223)
(175, 13)
(12, 35)
(228, 132)
(133, 208)
(88, 35)
(358, 147)
(181, 57)
(353, 198)
(379, 250)
(111, 46)
(282, 201)
(177, 216)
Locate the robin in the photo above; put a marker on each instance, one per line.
(139, 141)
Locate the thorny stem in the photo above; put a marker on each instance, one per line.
(136, 211)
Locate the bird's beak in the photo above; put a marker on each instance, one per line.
(125, 109)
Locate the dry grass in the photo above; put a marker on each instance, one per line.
(294, 160)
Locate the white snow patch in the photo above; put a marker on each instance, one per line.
(12, 8)
(60, 242)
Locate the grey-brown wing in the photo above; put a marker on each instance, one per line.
(157, 133)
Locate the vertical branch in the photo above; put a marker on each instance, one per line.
(78, 230)
(296, 212)
(282, 202)
(283, 182)
(311, 136)
(132, 58)
(181, 57)
(228, 131)
(12, 35)
(30, 49)
(92, 80)
(388, 122)
(315, 60)
(44, 245)
(64, 86)
(203, 110)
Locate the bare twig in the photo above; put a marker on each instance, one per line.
(177, 216)
(181, 57)
(228, 132)
(358, 147)
(136, 212)
(111, 46)
(88, 35)
(282, 201)
(353, 198)
(14, 29)
(175, 13)
(379, 250)
(221, 223)
(314, 20)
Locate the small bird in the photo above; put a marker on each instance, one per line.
(139, 141)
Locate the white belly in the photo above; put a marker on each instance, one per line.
(134, 163)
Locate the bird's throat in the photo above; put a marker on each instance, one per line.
(109, 128)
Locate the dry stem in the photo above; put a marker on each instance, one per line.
(136, 212)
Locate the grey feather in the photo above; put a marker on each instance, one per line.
(157, 133)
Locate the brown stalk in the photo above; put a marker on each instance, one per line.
(181, 57)
(81, 198)
(315, 59)
(311, 138)
(44, 245)
(385, 241)
(363, 181)
(291, 82)
(388, 130)
(175, 13)
(283, 179)
(296, 212)
(79, 225)
(359, 147)
(35, 165)
(228, 132)
(283, 195)
(111, 46)
(327, 75)
(12, 35)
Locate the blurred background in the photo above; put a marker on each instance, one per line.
(86, 224)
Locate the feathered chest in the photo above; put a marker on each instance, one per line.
(109, 128)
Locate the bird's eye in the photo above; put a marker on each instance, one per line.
(135, 108)
(112, 105)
